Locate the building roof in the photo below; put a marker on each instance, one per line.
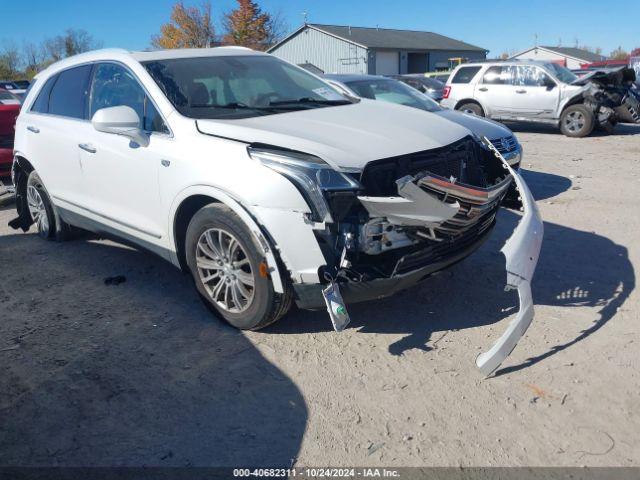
(391, 39)
(577, 53)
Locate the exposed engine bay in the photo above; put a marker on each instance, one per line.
(414, 211)
(611, 96)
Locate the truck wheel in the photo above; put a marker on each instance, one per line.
(40, 207)
(229, 271)
(577, 121)
(471, 108)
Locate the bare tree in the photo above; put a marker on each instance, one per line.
(619, 54)
(9, 60)
(277, 28)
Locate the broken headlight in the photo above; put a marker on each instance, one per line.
(311, 175)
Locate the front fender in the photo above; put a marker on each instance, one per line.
(238, 209)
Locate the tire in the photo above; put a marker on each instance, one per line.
(471, 107)
(234, 285)
(40, 207)
(577, 121)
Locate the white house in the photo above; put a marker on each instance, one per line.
(569, 57)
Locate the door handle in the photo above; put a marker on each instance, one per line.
(521, 91)
(483, 89)
(87, 147)
(33, 129)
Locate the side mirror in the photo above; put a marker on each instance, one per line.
(549, 83)
(121, 120)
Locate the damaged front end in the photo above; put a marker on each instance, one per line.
(412, 216)
(611, 97)
(415, 215)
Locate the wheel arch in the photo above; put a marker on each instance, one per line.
(459, 103)
(578, 99)
(192, 199)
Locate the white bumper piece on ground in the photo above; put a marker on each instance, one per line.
(521, 251)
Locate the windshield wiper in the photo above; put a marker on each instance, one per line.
(229, 106)
(309, 101)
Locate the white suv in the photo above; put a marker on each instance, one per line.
(532, 91)
(261, 180)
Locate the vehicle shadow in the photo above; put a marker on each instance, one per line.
(621, 129)
(575, 268)
(547, 185)
(138, 374)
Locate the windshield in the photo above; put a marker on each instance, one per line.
(393, 91)
(228, 87)
(563, 74)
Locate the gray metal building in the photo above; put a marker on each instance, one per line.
(376, 51)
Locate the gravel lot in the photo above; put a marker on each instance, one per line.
(141, 373)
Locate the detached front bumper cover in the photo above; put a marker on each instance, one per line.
(521, 252)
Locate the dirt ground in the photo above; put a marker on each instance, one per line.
(141, 374)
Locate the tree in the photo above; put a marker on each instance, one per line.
(73, 42)
(277, 28)
(248, 26)
(190, 27)
(619, 54)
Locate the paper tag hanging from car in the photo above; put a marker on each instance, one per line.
(336, 307)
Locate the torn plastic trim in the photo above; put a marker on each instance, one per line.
(465, 192)
(414, 207)
(521, 251)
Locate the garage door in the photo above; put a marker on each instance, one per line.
(387, 63)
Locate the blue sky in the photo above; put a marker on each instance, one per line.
(497, 25)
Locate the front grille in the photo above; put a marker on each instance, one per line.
(6, 141)
(462, 161)
(505, 144)
(441, 251)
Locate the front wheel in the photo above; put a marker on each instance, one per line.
(577, 121)
(229, 272)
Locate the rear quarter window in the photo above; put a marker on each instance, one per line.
(465, 74)
(41, 103)
(69, 94)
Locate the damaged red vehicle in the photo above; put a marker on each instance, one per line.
(9, 111)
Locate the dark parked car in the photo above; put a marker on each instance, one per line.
(429, 86)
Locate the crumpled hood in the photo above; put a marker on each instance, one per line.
(483, 127)
(346, 136)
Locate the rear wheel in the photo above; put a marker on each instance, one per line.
(40, 207)
(471, 108)
(229, 272)
(576, 121)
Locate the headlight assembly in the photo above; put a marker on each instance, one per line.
(311, 176)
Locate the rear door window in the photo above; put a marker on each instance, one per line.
(498, 75)
(69, 94)
(465, 74)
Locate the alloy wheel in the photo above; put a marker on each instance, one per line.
(575, 121)
(37, 209)
(225, 270)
